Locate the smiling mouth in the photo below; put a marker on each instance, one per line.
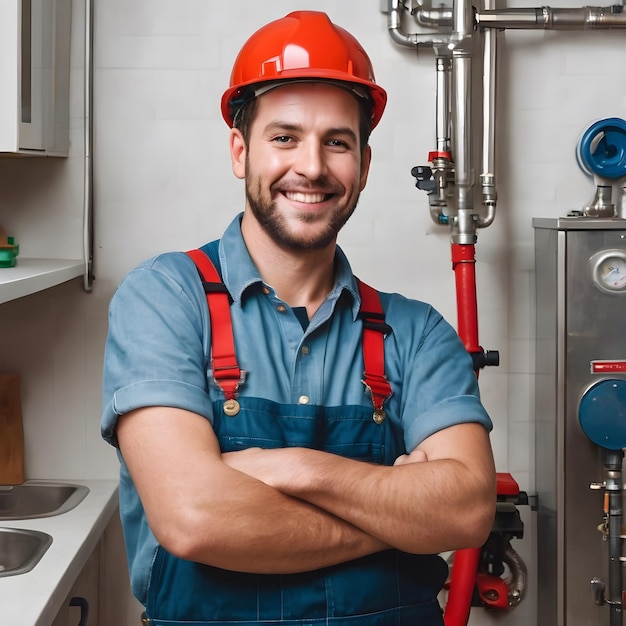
(306, 198)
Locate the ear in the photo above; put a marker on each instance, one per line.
(237, 153)
(366, 159)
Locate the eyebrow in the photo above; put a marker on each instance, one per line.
(277, 125)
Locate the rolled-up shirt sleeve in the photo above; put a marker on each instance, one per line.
(156, 350)
(439, 386)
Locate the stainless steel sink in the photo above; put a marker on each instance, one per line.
(34, 499)
(21, 550)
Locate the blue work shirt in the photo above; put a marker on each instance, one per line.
(158, 354)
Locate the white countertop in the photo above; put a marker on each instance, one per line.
(34, 598)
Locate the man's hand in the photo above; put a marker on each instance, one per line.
(273, 466)
(417, 456)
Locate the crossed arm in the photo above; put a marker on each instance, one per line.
(293, 509)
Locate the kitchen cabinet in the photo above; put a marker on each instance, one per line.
(35, 77)
(81, 607)
(34, 121)
(101, 592)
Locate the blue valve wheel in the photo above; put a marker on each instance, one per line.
(602, 414)
(601, 149)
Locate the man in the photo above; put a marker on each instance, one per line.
(298, 494)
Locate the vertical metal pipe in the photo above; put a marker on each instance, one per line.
(461, 66)
(461, 121)
(442, 103)
(462, 144)
(489, 100)
(88, 230)
(488, 149)
(614, 460)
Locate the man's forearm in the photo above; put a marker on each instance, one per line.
(425, 508)
(201, 509)
(443, 504)
(268, 532)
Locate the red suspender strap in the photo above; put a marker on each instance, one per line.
(226, 370)
(223, 359)
(374, 331)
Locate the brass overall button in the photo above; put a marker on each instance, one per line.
(231, 407)
(379, 416)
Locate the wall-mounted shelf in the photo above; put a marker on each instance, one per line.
(32, 275)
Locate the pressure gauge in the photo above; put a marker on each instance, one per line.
(608, 270)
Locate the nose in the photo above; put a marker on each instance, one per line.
(310, 159)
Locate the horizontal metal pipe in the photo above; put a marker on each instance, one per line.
(510, 18)
(585, 18)
(412, 40)
(434, 17)
(589, 17)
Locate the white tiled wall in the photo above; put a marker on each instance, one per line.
(163, 181)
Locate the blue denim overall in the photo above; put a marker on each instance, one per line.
(382, 589)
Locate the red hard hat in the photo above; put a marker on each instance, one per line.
(301, 45)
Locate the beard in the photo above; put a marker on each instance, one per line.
(276, 225)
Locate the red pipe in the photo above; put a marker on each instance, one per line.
(465, 566)
(464, 266)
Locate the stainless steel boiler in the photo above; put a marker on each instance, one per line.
(580, 402)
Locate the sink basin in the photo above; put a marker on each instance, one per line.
(34, 499)
(21, 550)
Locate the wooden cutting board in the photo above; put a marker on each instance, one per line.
(11, 431)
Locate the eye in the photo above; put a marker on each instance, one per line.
(282, 139)
(338, 144)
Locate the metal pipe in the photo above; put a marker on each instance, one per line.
(519, 573)
(585, 18)
(88, 230)
(394, 26)
(461, 45)
(462, 20)
(461, 105)
(613, 488)
(465, 225)
(488, 176)
(442, 103)
(434, 17)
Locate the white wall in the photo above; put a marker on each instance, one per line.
(163, 181)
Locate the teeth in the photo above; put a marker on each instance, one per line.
(307, 198)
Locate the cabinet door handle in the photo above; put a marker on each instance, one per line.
(84, 609)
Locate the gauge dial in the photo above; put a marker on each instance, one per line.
(609, 270)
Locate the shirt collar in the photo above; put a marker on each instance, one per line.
(239, 272)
